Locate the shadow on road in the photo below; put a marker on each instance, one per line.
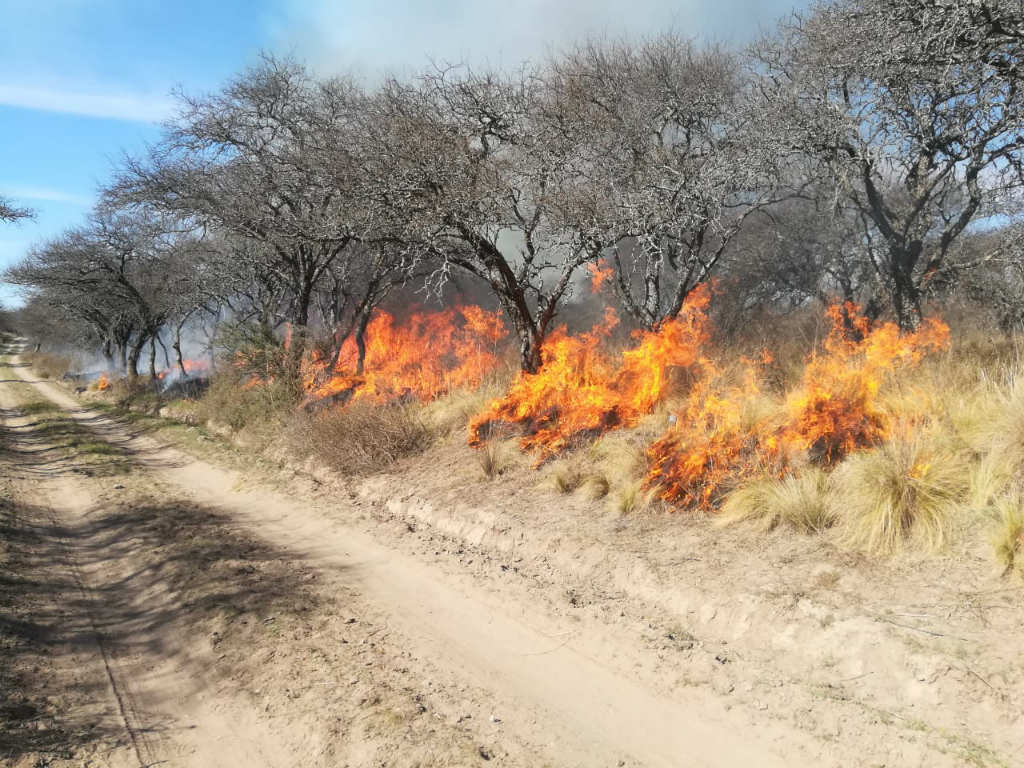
(144, 579)
(40, 446)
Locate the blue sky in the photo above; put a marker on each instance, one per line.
(82, 81)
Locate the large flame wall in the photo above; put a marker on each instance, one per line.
(727, 429)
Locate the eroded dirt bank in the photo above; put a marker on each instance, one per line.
(428, 619)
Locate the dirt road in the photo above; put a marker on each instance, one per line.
(505, 681)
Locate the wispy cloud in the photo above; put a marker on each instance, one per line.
(91, 102)
(45, 194)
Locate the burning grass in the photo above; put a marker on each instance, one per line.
(727, 433)
(422, 358)
(877, 440)
(582, 391)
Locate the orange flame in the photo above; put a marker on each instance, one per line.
(191, 367)
(427, 355)
(598, 276)
(833, 412)
(712, 441)
(836, 409)
(102, 383)
(581, 391)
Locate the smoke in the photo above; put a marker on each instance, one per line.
(373, 38)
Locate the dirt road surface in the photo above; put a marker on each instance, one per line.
(505, 681)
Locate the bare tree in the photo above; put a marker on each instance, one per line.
(9, 212)
(119, 274)
(478, 177)
(254, 161)
(673, 167)
(915, 111)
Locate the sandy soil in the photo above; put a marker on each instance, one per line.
(429, 618)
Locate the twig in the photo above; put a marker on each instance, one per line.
(919, 629)
(986, 682)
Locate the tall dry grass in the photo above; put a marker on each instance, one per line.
(48, 365)
(803, 502)
(360, 438)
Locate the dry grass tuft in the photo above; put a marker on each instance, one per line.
(491, 458)
(361, 438)
(451, 414)
(906, 489)
(567, 477)
(631, 498)
(231, 401)
(1008, 536)
(802, 502)
(597, 486)
(49, 366)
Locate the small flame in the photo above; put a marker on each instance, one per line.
(102, 383)
(598, 276)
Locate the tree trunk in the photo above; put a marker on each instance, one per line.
(529, 347)
(906, 296)
(177, 352)
(133, 357)
(364, 321)
(907, 304)
(108, 353)
(152, 358)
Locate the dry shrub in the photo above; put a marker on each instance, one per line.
(491, 458)
(907, 489)
(632, 497)
(1008, 536)
(802, 502)
(239, 402)
(361, 438)
(567, 477)
(451, 414)
(597, 486)
(49, 366)
(577, 474)
(988, 419)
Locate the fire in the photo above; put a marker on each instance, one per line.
(192, 368)
(835, 410)
(717, 439)
(581, 390)
(421, 358)
(102, 383)
(598, 276)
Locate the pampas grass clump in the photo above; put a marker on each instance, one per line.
(798, 501)
(907, 489)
